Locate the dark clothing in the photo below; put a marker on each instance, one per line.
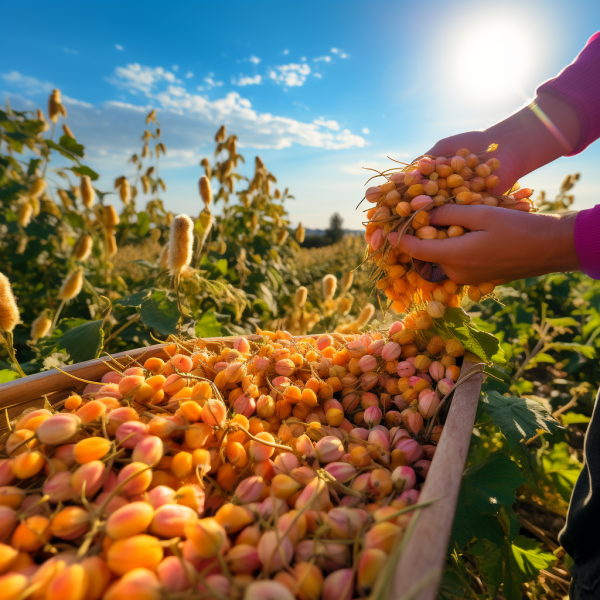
(581, 534)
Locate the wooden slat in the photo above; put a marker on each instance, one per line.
(425, 553)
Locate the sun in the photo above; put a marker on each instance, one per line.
(496, 59)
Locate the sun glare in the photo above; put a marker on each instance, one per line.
(497, 58)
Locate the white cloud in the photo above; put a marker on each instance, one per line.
(334, 50)
(303, 58)
(29, 85)
(189, 75)
(286, 52)
(135, 77)
(366, 130)
(119, 47)
(210, 81)
(246, 80)
(175, 68)
(322, 58)
(318, 75)
(70, 51)
(292, 75)
(344, 55)
(329, 124)
(254, 59)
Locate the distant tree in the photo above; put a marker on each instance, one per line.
(335, 231)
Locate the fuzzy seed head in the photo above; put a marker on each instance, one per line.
(125, 191)
(220, 134)
(301, 295)
(9, 312)
(347, 281)
(205, 190)
(300, 233)
(110, 242)
(329, 286)
(345, 304)
(110, 218)
(24, 214)
(181, 242)
(71, 285)
(366, 315)
(68, 131)
(35, 205)
(40, 327)
(42, 118)
(88, 195)
(163, 259)
(37, 187)
(83, 247)
(55, 106)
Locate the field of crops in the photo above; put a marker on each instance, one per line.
(96, 272)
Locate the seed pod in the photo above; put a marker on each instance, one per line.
(24, 214)
(329, 286)
(66, 201)
(300, 233)
(151, 116)
(110, 242)
(40, 327)
(67, 131)
(125, 191)
(55, 106)
(282, 236)
(9, 312)
(181, 242)
(366, 315)
(83, 247)
(220, 134)
(88, 194)
(205, 190)
(301, 296)
(71, 285)
(42, 118)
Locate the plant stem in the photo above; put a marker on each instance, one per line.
(57, 314)
(7, 336)
(133, 319)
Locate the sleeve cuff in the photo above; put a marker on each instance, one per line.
(587, 241)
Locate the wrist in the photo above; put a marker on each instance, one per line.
(560, 254)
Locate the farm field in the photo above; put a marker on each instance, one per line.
(96, 272)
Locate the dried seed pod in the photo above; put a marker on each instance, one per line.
(83, 247)
(24, 214)
(88, 194)
(68, 131)
(300, 233)
(42, 118)
(220, 134)
(125, 191)
(366, 315)
(329, 286)
(145, 183)
(301, 296)
(9, 312)
(347, 281)
(151, 116)
(71, 285)
(110, 242)
(204, 163)
(205, 190)
(37, 187)
(66, 201)
(110, 218)
(181, 241)
(40, 327)
(55, 106)
(282, 236)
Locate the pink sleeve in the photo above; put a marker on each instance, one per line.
(579, 85)
(587, 241)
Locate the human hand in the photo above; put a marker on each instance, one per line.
(501, 244)
(525, 142)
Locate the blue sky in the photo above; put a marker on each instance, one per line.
(317, 89)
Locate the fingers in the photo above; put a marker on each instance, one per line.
(471, 217)
(427, 250)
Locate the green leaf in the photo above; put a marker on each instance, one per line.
(143, 223)
(83, 342)
(208, 326)
(471, 525)
(540, 357)
(452, 586)
(491, 484)
(222, 266)
(518, 418)
(563, 322)
(523, 562)
(71, 145)
(489, 563)
(561, 468)
(133, 299)
(83, 170)
(587, 351)
(7, 375)
(571, 418)
(160, 312)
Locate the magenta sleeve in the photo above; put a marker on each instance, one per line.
(587, 241)
(579, 85)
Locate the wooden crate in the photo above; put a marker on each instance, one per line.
(421, 563)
